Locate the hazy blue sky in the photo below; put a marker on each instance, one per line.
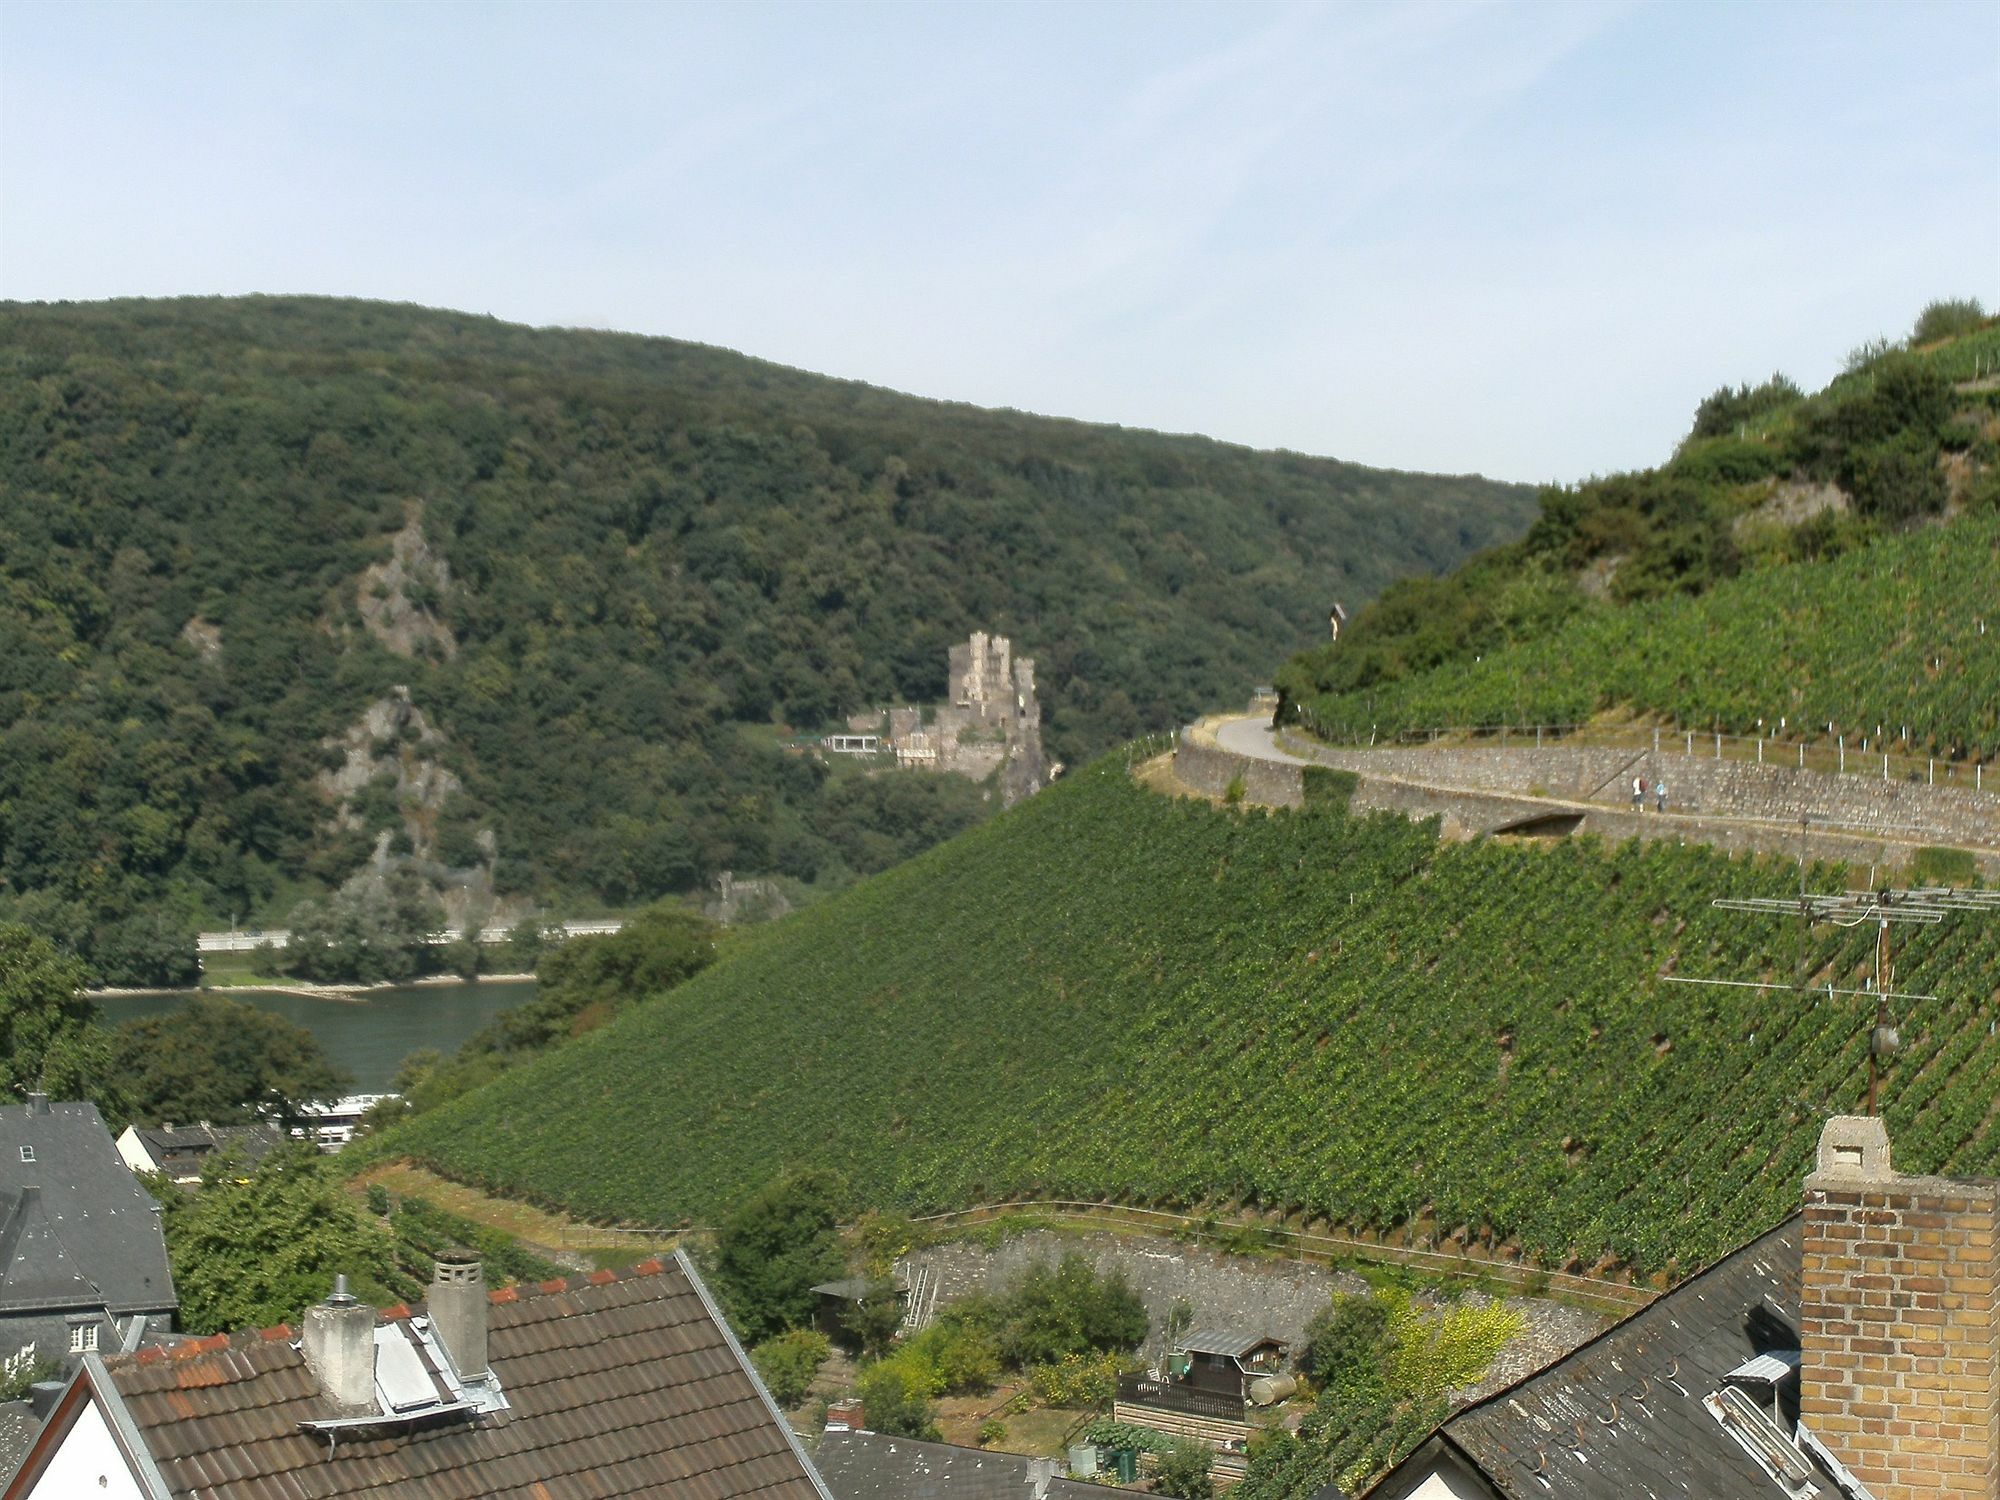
(1523, 238)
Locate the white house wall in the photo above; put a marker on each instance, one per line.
(88, 1463)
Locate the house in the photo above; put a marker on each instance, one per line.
(604, 1386)
(179, 1153)
(83, 1264)
(331, 1124)
(1850, 1352)
(1202, 1390)
(864, 1465)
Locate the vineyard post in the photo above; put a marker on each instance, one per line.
(1690, 749)
(1843, 755)
(1718, 747)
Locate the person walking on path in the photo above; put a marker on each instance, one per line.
(1638, 794)
(1660, 795)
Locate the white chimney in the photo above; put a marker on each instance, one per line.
(339, 1346)
(458, 1313)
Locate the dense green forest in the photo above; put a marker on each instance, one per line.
(608, 570)
(1108, 991)
(1767, 571)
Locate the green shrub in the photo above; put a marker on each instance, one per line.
(1233, 793)
(1947, 318)
(1433, 1352)
(1184, 1472)
(788, 1362)
(895, 1406)
(1076, 1380)
(991, 1432)
(378, 1200)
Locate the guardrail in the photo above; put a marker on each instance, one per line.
(1172, 1395)
(1838, 754)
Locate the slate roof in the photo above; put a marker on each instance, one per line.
(95, 1229)
(1230, 1343)
(1622, 1414)
(875, 1466)
(187, 1146)
(617, 1386)
(18, 1426)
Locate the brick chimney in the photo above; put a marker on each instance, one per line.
(1899, 1373)
(339, 1346)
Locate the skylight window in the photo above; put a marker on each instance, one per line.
(27, 1153)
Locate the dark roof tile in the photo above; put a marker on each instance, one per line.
(619, 1386)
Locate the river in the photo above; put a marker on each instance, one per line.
(370, 1034)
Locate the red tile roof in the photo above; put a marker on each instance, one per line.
(618, 1386)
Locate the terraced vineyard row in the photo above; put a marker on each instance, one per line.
(1903, 632)
(1109, 992)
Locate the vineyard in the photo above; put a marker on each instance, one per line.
(1110, 992)
(1906, 631)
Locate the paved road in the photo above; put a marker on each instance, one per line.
(1254, 737)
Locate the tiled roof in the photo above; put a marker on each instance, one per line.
(875, 1466)
(618, 1386)
(190, 1143)
(1622, 1415)
(104, 1221)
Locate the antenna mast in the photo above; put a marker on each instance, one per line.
(1924, 905)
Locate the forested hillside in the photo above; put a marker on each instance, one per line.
(1111, 992)
(606, 569)
(1813, 559)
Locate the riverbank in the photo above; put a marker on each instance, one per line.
(307, 988)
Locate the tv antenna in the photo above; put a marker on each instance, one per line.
(1921, 905)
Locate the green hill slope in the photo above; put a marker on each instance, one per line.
(604, 567)
(1106, 991)
(1815, 559)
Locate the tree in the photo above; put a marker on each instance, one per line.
(45, 1018)
(771, 1252)
(1067, 1309)
(220, 1059)
(250, 1252)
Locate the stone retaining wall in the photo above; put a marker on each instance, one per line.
(1906, 812)
(1206, 767)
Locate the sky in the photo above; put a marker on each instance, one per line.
(1521, 239)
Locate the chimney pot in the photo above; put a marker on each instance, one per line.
(458, 1312)
(38, 1104)
(339, 1346)
(1854, 1148)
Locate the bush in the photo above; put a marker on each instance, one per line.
(952, 1357)
(1946, 318)
(773, 1250)
(895, 1406)
(1233, 793)
(788, 1363)
(1184, 1472)
(1434, 1352)
(378, 1200)
(1727, 410)
(1077, 1380)
(992, 1431)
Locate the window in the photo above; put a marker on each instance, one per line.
(27, 1153)
(82, 1338)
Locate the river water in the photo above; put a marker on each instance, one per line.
(369, 1035)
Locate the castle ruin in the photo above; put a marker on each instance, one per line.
(991, 722)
